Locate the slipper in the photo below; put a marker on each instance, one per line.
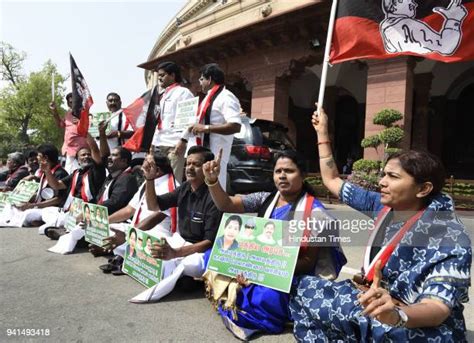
(54, 233)
(114, 263)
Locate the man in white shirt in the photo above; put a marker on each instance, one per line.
(166, 136)
(158, 224)
(218, 118)
(121, 129)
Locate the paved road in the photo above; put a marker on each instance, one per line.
(77, 303)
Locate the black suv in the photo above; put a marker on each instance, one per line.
(250, 167)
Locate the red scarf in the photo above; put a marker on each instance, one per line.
(204, 110)
(386, 252)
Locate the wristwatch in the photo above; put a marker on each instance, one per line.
(207, 128)
(402, 318)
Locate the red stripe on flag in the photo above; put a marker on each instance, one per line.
(135, 142)
(360, 38)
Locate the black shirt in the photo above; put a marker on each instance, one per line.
(198, 217)
(96, 177)
(121, 190)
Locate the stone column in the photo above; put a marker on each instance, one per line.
(389, 86)
(270, 99)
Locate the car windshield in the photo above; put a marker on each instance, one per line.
(249, 134)
(277, 139)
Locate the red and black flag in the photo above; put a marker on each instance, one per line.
(141, 115)
(441, 30)
(81, 99)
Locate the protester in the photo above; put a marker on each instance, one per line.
(120, 128)
(84, 183)
(166, 137)
(218, 118)
(15, 172)
(418, 260)
(32, 161)
(198, 221)
(46, 196)
(72, 140)
(258, 308)
(158, 224)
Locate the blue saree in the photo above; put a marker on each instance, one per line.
(433, 260)
(262, 309)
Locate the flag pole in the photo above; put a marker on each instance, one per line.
(52, 86)
(327, 50)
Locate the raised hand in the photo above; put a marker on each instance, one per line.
(454, 11)
(52, 107)
(211, 169)
(102, 127)
(44, 165)
(320, 121)
(149, 168)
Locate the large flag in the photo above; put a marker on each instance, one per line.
(81, 98)
(441, 30)
(141, 115)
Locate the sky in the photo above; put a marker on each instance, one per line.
(107, 39)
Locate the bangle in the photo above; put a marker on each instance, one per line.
(149, 179)
(206, 181)
(118, 134)
(184, 140)
(324, 157)
(324, 142)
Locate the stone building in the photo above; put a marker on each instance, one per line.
(271, 52)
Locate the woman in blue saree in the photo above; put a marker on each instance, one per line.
(258, 308)
(417, 263)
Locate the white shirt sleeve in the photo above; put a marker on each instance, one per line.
(231, 109)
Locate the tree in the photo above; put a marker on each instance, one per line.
(12, 64)
(25, 119)
(366, 172)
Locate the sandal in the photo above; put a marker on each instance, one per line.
(54, 233)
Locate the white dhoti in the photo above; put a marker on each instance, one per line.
(172, 270)
(192, 265)
(66, 243)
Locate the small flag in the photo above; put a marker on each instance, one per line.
(441, 30)
(141, 115)
(81, 99)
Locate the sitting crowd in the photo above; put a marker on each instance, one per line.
(416, 270)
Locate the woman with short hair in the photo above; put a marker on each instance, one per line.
(417, 263)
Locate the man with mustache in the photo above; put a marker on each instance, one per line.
(198, 221)
(121, 129)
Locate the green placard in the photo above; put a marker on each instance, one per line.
(96, 219)
(94, 123)
(186, 113)
(23, 192)
(253, 246)
(3, 199)
(74, 211)
(138, 262)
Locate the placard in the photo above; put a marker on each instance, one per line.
(138, 262)
(186, 111)
(94, 123)
(23, 192)
(96, 220)
(253, 247)
(74, 211)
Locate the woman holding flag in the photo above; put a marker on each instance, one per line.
(416, 267)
